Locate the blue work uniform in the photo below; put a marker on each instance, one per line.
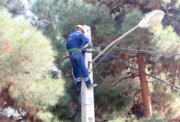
(76, 40)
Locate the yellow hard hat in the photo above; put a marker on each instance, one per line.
(81, 27)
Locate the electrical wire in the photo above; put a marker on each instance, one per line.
(115, 59)
(147, 74)
(142, 51)
(111, 48)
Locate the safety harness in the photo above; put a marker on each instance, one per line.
(73, 50)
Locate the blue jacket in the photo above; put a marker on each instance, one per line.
(76, 40)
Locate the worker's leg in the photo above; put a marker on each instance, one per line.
(84, 70)
(76, 70)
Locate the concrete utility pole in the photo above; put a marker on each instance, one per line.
(144, 86)
(87, 95)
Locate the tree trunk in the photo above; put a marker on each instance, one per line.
(144, 87)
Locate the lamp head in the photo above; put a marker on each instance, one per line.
(151, 18)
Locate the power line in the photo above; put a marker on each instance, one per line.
(110, 49)
(135, 69)
(147, 74)
(136, 50)
(113, 58)
(127, 49)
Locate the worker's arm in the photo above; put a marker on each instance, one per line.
(86, 43)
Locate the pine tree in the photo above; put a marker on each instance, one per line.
(25, 57)
(16, 7)
(163, 40)
(64, 15)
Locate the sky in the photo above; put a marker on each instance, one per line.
(27, 11)
(25, 2)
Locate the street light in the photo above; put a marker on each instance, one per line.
(150, 19)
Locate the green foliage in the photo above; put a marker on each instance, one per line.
(63, 16)
(166, 40)
(22, 46)
(45, 117)
(131, 20)
(166, 101)
(167, 1)
(1, 3)
(166, 68)
(16, 7)
(46, 95)
(59, 47)
(25, 57)
(172, 3)
(119, 120)
(174, 19)
(140, 37)
(155, 117)
(112, 98)
(163, 40)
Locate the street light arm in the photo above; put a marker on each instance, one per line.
(114, 42)
(151, 18)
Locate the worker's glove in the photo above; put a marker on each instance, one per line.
(84, 50)
(89, 45)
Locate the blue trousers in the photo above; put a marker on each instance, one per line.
(79, 68)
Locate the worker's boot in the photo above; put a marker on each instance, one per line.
(91, 85)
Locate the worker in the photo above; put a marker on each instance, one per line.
(75, 43)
